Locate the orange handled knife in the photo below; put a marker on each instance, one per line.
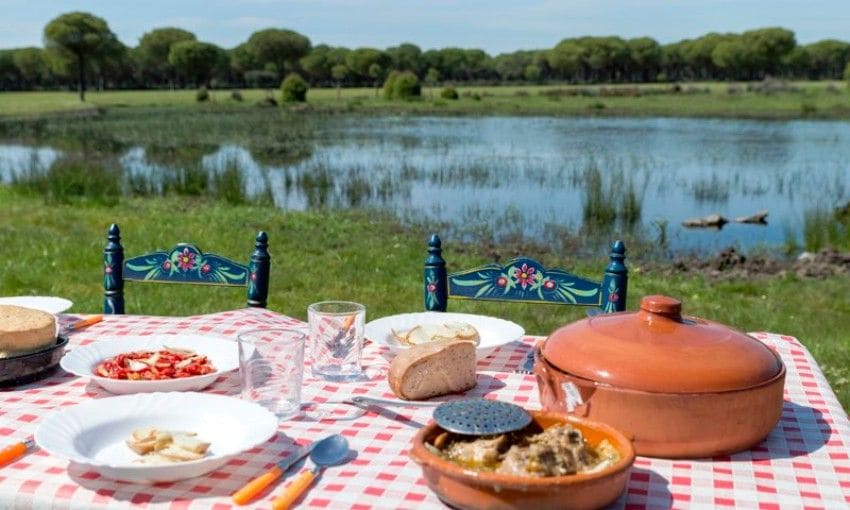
(256, 486)
(94, 319)
(11, 453)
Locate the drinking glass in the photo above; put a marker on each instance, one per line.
(271, 368)
(336, 339)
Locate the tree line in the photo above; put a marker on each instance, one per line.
(80, 49)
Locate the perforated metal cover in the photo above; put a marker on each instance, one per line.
(480, 417)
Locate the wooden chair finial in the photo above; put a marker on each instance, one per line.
(113, 272)
(616, 280)
(258, 272)
(436, 282)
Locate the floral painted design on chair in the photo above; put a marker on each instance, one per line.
(525, 280)
(185, 263)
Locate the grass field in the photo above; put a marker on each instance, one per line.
(800, 100)
(55, 249)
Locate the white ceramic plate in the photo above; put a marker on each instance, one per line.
(493, 332)
(93, 433)
(222, 353)
(47, 304)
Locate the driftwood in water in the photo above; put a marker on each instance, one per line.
(759, 218)
(712, 220)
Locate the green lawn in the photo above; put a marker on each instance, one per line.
(55, 249)
(807, 99)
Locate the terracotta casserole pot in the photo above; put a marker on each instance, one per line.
(679, 387)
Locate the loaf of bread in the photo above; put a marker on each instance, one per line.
(434, 369)
(24, 330)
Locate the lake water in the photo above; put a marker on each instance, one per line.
(527, 175)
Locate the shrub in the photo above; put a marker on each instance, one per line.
(402, 85)
(293, 89)
(389, 84)
(847, 74)
(449, 93)
(267, 101)
(808, 108)
(558, 93)
(202, 95)
(407, 86)
(236, 95)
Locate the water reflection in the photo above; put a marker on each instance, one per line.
(18, 162)
(524, 176)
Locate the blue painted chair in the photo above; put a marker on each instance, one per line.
(525, 280)
(184, 263)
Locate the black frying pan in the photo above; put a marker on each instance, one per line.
(26, 368)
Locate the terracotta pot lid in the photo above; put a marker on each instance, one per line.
(657, 349)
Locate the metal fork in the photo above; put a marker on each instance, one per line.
(363, 402)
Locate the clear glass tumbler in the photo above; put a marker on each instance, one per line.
(336, 339)
(271, 368)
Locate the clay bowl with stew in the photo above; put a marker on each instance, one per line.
(465, 488)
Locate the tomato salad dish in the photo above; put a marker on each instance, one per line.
(167, 363)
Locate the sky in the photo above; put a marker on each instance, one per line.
(493, 25)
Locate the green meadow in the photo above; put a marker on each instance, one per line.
(55, 248)
(809, 99)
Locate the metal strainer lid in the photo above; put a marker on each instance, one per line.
(480, 417)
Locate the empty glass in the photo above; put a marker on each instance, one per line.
(336, 339)
(271, 367)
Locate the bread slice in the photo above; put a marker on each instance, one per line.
(433, 369)
(434, 332)
(141, 447)
(179, 454)
(165, 446)
(189, 443)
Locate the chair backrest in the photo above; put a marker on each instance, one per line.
(525, 280)
(185, 263)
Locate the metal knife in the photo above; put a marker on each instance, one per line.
(255, 486)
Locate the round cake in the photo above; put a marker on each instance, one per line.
(24, 330)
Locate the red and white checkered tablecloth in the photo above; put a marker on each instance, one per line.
(804, 463)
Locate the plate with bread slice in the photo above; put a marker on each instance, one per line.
(155, 437)
(400, 332)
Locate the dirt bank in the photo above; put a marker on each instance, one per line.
(730, 263)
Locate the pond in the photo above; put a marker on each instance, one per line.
(525, 176)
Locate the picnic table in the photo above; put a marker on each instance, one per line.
(804, 463)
